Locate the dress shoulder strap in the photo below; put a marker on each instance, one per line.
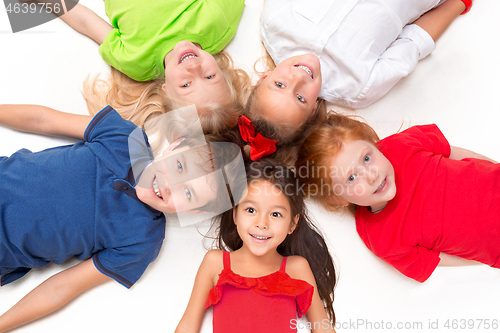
(226, 260)
(283, 265)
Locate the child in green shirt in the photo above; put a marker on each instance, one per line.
(171, 42)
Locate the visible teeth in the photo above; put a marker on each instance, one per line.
(187, 56)
(305, 68)
(156, 189)
(260, 237)
(381, 185)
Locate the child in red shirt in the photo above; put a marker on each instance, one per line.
(416, 198)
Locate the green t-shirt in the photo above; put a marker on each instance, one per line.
(145, 31)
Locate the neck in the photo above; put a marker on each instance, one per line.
(378, 208)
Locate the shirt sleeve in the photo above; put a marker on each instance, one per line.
(416, 262)
(115, 140)
(430, 138)
(126, 59)
(399, 60)
(126, 264)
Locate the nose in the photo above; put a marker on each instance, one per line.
(194, 66)
(261, 224)
(371, 175)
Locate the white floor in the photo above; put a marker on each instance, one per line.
(455, 87)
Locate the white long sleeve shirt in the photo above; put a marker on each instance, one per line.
(364, 46)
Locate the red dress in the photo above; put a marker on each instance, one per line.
(264, 304)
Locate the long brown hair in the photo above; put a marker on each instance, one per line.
(306, 240)
(320, 147)
(141, 101)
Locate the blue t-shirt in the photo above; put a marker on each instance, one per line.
(78, 201)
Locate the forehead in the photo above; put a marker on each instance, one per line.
(349, 156)
(266, 194)
(280, 105)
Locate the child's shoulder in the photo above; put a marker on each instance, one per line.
(213, 260)
(296, 266)
(214, 255)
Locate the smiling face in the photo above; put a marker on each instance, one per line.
(177, 181)
(362, 175)
(264, 218)
(289, 92)
(192, 75)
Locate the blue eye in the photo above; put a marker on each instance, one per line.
(210, 77)
(279, 84)
(179, 166)
(188, 194)
(250, 210)
(301, 99)
(276, 214)
(351, 178)
(367, 158)
(186, 85)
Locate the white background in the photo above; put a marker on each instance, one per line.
(455, 87)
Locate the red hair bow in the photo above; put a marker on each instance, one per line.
(259, 145)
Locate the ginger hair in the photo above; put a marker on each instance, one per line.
(318, 150)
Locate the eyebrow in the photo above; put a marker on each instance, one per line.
(184, 164)
(363, 153)
(193, 195)
(273, 207)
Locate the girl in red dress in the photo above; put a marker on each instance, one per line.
(279, 266)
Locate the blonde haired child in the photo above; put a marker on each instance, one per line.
(170, 53)
(346, 52)
(279, 264)
(417, 200)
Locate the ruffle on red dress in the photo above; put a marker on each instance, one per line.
(277, 283)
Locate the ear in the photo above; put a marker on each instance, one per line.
(234, 216)
(339, 200)
(315, 108)
(294, 224)
(262, 78)
(164, 88)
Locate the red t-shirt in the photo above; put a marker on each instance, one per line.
(441, 205)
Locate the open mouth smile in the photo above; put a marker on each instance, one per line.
(381, 186)
(156, 188)
(187, 56)
(260, 237)
(306, 69)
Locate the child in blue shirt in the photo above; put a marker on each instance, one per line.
(101, 200)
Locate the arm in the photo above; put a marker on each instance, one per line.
(193, 316)
(84, 20)
(298, 268)
(437, 20)
(52, 294)
(449, 260)
(403, 55)
(43, 120)
(461, 153)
